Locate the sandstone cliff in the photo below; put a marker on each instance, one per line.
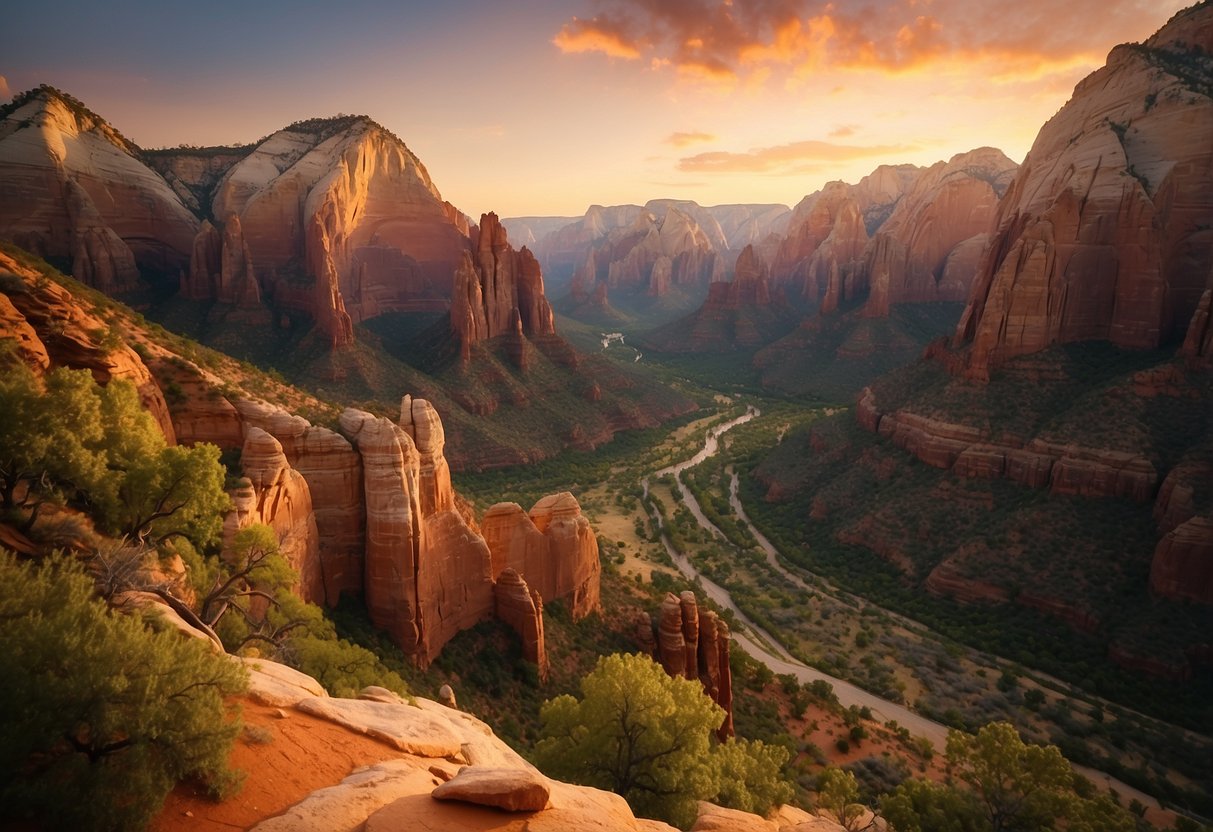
(743, 313)
(345, 201)
(838, 220)
(77, 193)
(1103, 234)
(927, 250)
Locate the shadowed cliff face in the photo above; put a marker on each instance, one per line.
(1104, 233)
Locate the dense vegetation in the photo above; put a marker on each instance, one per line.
(100, 716)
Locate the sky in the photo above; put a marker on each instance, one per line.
(539, 107)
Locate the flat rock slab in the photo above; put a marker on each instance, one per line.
(346, 806)
(279, 686)
(404, 727)
(515, 790)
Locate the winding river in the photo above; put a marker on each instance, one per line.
(766, 648)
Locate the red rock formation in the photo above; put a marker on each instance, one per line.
(1182, 567)
(1198, 343)
(201, 282)
(1065, 468)
(521, 608)
(671, 641)
(420, 421)
(333, 471)
(1102, 234)
(76, 189)
(328, 306)
(284, 503)
(952, 204)
(237, 282)
(690, 632)
(856, 211)
(349, 201)
(497, 291)
(552, 547)
(695, 645)
(427, 574)
(71, 337)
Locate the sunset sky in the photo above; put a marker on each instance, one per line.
(542, 108)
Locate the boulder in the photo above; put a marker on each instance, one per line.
(514, 790)
(279, 686)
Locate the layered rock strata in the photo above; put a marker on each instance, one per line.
(54, 330)
(1064, 468)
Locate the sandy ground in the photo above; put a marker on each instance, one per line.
(298, 755)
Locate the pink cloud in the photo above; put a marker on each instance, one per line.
(796, 157)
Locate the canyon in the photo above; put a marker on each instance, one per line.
(367, 509)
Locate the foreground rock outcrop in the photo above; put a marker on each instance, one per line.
(419, 765)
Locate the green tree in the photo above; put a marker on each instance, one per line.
(1019, 785)
(1000, 783)
(48, 436)
(637, 732)
(157, 490)
(100, 716)
(838, 794)
(922, 806)
(67, 439)
(750, 775)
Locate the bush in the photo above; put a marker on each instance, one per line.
(99, 716)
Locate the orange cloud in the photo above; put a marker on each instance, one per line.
(596, 35)
(843, 130)
(720, 41)
(5, 92)
(684, 139)
(797, 157)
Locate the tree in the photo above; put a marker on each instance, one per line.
(750, 775)
(1019, 786)
(66, 438)
(922, 806)
(637, 732)
(838, 794)
(155, 489)
(1002, 783)
(48, 434)
(100, 716)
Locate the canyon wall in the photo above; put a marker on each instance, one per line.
(1104, 233)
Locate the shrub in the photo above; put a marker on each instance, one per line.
(99, 716)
